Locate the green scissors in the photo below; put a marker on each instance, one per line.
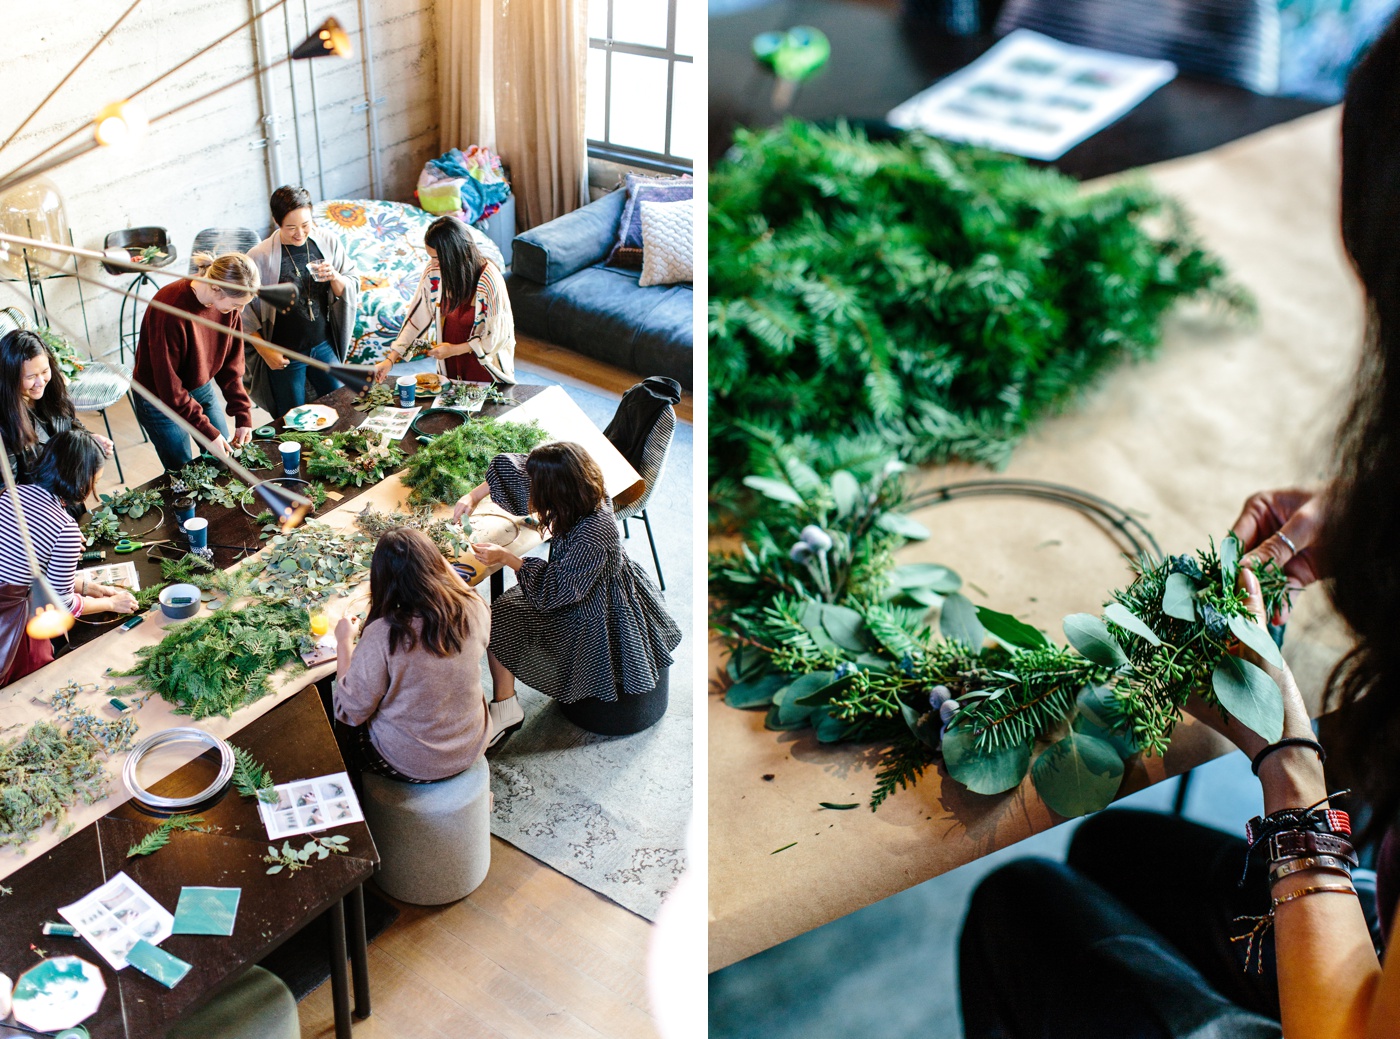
(126, 545)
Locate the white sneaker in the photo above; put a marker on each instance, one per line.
(506, 717)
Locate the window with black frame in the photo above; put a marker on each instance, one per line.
(642, 92)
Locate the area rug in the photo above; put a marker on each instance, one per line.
(611, 811)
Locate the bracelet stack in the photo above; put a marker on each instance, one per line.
(1294, 841)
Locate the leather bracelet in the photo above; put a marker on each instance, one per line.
(1327, 820)
(1324, 862)
(1292, 844)
(1290, 741)
(1317, 890)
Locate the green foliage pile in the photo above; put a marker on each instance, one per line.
(69, 361)
(218, 663)
(201, 481)
(346, 458)
(307, 565)
(826, 631)
(48, 769)
(451, 539)
(454, 463)
(920, 299)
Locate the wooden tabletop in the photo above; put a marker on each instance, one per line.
(294, 741)
(1224, 410)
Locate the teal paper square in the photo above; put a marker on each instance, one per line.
(207, 910)
(157, 963)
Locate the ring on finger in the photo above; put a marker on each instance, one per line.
(1287, 541)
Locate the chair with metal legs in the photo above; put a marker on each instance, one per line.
(658, 447)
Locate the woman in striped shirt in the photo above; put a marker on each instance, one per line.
(67, 471)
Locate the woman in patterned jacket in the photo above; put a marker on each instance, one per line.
(588, 622)
(463, 296)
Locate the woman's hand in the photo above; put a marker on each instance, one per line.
(344, 629)
(219, 446)
(449, 350)
(121, 602)
(495, 555)
(272, 358)
(1295, 712)
(1268, 523)
(103, 443)
(468, 502)
(381, 368)
(242, 436)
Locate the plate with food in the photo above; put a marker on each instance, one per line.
(430, 384)
(311, 416)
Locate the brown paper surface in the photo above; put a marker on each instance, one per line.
(1180, 441)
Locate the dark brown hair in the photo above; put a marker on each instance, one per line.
(459, 261)
(565, 485)
(1361, 532)
(286, 199)
(408, 578)
(54, 408)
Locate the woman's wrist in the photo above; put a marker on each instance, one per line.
(1292, 777)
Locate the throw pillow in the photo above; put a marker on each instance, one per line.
(628, 250)
(668, 251)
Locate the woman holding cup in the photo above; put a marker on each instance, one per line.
(321, 321)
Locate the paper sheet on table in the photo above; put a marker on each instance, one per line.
(207, 910)
(309, 805)
(115, 916)
(1181, 440)
(390, 422)
(1032, 95)
(121, 575)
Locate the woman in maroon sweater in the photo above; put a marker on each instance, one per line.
(181, 361)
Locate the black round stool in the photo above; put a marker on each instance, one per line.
(623, 716)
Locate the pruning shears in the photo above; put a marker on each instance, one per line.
(126, 546)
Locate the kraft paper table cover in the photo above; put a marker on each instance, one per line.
(1181, 440)
(554, 410)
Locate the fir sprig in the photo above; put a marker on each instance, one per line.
(160, 836)
(251, 779)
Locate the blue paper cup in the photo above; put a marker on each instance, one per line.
(408, 390)
(184, 511)
(291, 457)
(197, 530)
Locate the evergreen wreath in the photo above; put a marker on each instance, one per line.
(826, 631)
(452, 464)
(921, 299)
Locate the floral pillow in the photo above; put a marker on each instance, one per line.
(385, 242)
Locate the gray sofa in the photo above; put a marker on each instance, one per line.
(561, 291)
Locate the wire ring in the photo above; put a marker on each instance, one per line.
(1123, 525)
(413, 428)
(182, 734)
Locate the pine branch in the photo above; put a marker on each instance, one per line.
(251, 779)
(160, 836)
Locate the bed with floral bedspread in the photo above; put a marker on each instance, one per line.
(385, 241)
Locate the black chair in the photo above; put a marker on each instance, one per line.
(642, 429)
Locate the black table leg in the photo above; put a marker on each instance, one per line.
(359, 951)
(340, 990)
(498, 583)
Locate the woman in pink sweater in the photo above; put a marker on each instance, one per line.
(410, 697)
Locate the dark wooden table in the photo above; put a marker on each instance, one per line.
(294, 741)
(880, 58)
(232, 532)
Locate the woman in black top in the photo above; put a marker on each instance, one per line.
(587, 623)
(34, 401)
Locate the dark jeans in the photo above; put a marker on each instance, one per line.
(1130, 939)
(173, 445)
(289, 384)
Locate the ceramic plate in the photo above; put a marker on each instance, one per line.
(58, 993)
(311, 417)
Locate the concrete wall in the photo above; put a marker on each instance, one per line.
(201, 167)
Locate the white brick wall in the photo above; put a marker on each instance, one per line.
(197, 169)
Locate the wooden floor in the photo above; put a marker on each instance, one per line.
(531, 953)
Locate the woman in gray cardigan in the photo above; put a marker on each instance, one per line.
(322, 320)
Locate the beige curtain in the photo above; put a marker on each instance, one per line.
(511, 77)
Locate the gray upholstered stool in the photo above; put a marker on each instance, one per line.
(434, 839)
(256, 1006)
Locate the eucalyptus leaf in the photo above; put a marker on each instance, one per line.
(930, 576)
(1250, 696)
(958, 621)
(830, 729)
(1009, 631)
(1092, 717)
(1229, 560)
(923, 726)
(1078, 775)
(824, 693)
(1257, 639)
(812, 618)
(755, 692)
(845, 490)
(844, 625)
(1129, 621)
(778, 490)
(1179, 598)
(773, 720)
(984, 771)
(1091, 637)
(904, 526)
(923, 596)
(790, 711)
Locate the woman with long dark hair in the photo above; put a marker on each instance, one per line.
(64, 474)
(462, 295)
(587, 622)
(410, 696)
(34, 401)
(1133, 936)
